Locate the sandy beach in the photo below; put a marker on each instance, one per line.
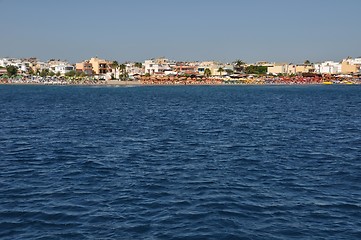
(181, 81)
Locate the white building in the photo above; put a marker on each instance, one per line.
(354, 61)
(328, 67)
(158, 66)
(62, 68)
(22, 66)
(132, 69)
(4, 62)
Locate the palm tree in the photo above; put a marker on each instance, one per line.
(123, 69)
(114, 66)
(239, 65)
(207, 72)
(220, 70)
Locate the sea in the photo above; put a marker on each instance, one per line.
(180, 162)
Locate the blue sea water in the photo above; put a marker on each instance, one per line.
(211, 162)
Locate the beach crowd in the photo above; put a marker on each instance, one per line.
(182, 80)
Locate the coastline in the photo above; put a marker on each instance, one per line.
(138, 84)
(185, 82)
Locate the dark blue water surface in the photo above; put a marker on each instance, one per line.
(225, 162)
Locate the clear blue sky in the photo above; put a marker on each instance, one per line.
(251, 30)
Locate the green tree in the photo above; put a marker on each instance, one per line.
(138, 64)
(220, 70)
(229, 71)
(44, 73)
(114, 66)
(123, 69)
(58, 74)
(307, 62)
(70, 74)
(30, 71)
(239, 65)
(12, 70)
(207, 72)
(256, 69)
(78, 73)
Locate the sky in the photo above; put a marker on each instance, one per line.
(187, 30)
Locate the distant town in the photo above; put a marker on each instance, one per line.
(163, 71)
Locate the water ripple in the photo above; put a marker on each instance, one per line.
(180, 163)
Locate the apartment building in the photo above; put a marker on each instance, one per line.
(100, 66)
(185, 68)
(289, 68)
(278, 68)
(62, 68)
(158, 66)
(133, 69)
(21, 65)
(351, 66)
(328, 67)
(85, 67)
(59, 66)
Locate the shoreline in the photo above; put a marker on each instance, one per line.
(297, 81)
(176, 85)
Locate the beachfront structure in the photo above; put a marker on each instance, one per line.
(350, 66)
(278, 68)
(100, 66)
(328, 67)
(185, 68)
(85, 67)
(62, 68)
(40, 66)
(59, 66)
(158, 66)
(214, 68)
(356, 61)
(21, 65)
(286, 68)
(304, 69)
(4, 62)
(53, 62)
(133, 69)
